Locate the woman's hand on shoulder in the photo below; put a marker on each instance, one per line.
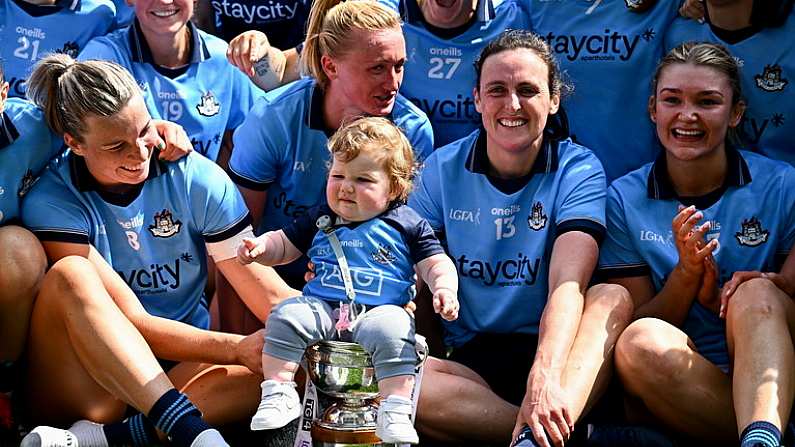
(690, 245)
(175, 144)
(545, 409)
(693, 9)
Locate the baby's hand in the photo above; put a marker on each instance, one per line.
(250, 250)
(445, 303)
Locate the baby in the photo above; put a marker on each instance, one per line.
(365, 256)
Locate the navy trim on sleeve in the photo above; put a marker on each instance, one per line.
(60, 236)
(301, 232)
(595, 229)
(416, 231)
(625, 271)
(246, 183)
(229, 232)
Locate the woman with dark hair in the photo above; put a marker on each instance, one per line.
(678, 228)
(538, 340)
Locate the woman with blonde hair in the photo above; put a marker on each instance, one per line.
(354, 53)
(121, 317)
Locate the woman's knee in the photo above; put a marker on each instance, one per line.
(22, 261)
(650, 354)
(613, 299)
(756, 299)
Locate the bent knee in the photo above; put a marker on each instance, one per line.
(611, 298)
(22, 259)
(652, 351)
(756, 298)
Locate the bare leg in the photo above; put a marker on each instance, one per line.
(234, 316)
(225, 394)
(453, 392)
(22, 267)
(760, 322)
(658, 364)
(397, 385)
(608, 310)
(86, 359)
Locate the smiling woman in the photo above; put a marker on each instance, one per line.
(536, 337)
(123, 232)
(355, 54)
(724, 210)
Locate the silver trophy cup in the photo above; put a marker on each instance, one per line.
(344, 372)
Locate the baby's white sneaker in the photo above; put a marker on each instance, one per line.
(394, 424)
(279, 406)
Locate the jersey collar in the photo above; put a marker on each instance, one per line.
(478, 160)
(8, 132)
(659, 184)
(141, 53)
(314, 116)
(411, 12)
(84, 181)
(43, 10)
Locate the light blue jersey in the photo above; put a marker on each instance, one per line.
(207, 97)
(381, 253)
(29, 32)
(440, 75)
(125, 14)
(767, 68)
(154, 237)
(500, 233)
(281, 147)
(753, 220)
(26, 145)
(609, 54)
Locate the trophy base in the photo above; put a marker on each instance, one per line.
(327, 437)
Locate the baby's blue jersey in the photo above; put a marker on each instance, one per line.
(380, 252)
(281, 147)
(440, 75)
(609, 55)
(767, 68)
(29, 32)
(753, 222)
(155, 239)
(501, 241)
(207, 98)
(26, 145)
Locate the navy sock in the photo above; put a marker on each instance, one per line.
(760, 434)
(525, 438)
(135, 430)
(175, 415)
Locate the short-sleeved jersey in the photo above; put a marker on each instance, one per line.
(26, 145)
(767, 68)
(753, 220)
(282, 147)
(439, 75)
(207, 97)
(381, 253)
(29, 32)
(609, 54)
(124, 14)
(501, 240)
(155, 239)
(283, 21)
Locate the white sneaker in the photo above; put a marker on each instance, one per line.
(394, 424)
(278, 407)
(43, 436)
(80, 434)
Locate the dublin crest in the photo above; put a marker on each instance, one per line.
(537, 219)
(164, 225)
(27, 182)
(752, 234)
(208, 106)
(382, 255)
(770, 80)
